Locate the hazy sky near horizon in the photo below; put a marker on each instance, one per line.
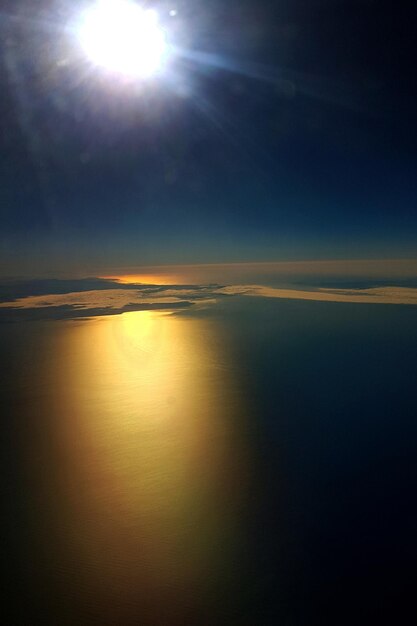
(287, 131)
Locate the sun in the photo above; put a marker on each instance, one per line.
(122, 37)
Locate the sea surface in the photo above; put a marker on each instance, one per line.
(249, 463)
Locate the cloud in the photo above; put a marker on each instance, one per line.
(116, 299)
(376, 295)
(69, 312)
(112, 300)
(108, 298)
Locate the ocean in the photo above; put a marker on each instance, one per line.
(251, 463)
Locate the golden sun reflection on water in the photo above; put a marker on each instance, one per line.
(151, 464)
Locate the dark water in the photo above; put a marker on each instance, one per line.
(251, 464)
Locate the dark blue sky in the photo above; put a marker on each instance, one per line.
(286, 130)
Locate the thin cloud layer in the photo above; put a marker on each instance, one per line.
(376, 295)
(118, 299)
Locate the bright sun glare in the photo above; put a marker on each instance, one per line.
(123, 37)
